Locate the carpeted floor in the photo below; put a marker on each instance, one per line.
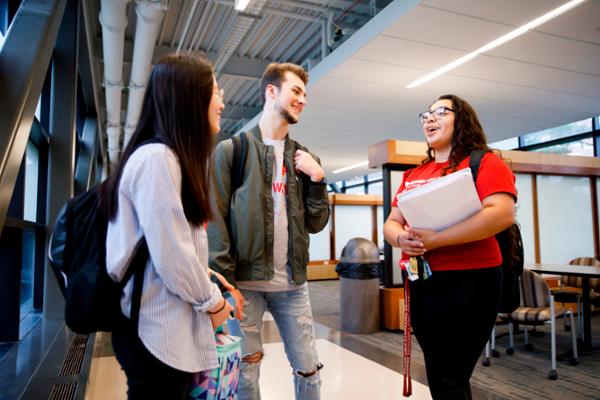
(520, 376)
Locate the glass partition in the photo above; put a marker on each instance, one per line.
(524, 213)
(351, 222)
(565, 218)
(319, 248)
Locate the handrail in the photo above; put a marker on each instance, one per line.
(24, 60)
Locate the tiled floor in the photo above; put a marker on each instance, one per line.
(107, 380)
(346, 375)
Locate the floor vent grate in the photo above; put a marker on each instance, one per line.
(74, 358)
(63, 391)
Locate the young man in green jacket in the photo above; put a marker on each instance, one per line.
(264, 251)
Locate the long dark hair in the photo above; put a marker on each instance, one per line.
(175, 110)
(468, 134)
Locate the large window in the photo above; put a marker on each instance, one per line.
(506, 144)
(581, 147)
(366, 184)
(31, 182)
(27, 272)
(558, 132)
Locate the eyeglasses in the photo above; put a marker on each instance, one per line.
(220, 93)
(437, 113)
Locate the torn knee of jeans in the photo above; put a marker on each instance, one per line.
(251, 327)
(253, 358)
(304, 320)
(305, 374)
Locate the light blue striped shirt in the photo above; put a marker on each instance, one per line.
(174, 325)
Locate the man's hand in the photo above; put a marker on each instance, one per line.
(303, 162)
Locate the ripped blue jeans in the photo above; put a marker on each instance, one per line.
(293, 316)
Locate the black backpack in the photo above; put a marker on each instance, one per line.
(77, 253)
(511, 247)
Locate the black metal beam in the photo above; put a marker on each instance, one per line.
(24, 60)
(86, 159)
(61, 165)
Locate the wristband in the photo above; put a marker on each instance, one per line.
(220, 309)
(398, 240)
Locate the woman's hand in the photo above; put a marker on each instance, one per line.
(218, 315)
(424, 236)
(235, 293)
(410, 243)
(397, 236)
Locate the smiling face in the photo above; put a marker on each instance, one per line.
(215, 108)
(438, 130)
(290, 98)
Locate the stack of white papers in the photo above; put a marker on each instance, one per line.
(441, 203)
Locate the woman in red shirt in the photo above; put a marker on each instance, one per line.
(454, 310)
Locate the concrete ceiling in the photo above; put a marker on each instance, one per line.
(547, 77)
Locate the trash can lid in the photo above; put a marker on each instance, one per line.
(360, 250)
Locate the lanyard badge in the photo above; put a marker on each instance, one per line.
(417, 267)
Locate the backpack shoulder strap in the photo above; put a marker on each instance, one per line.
(240, 153)
(475, 161)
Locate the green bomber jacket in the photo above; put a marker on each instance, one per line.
(246, 253)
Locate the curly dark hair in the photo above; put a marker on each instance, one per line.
(468, 134)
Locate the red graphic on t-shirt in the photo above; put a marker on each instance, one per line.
(280, 187)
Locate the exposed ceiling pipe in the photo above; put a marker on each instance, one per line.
(187, 26)
(149, 18)
(113, 17)
(203, 25)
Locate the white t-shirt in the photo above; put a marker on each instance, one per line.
(282, 280)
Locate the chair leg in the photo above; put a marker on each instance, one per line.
(553, 375)
(528, 346)
(511, 348)
(567, 327)
(574, 358)
(486, 358)
(579, 317)
(495, 352)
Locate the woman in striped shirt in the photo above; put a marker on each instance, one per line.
(159, 191)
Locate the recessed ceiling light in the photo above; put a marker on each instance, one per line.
(497, 42)
(360, 164)
(241, 5)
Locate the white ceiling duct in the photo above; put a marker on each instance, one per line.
(149, 17)
(113, 17)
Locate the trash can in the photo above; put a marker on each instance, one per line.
(359, 269)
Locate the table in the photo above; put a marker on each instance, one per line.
(583, 271)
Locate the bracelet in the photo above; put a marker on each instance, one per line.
(220, 309)
(398, 240)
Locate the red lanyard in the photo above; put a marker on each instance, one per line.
(407, 386)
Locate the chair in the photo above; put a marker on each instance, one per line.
(490, 346)
(537, 308)
(564, 295)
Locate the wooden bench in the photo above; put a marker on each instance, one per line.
(321, 270)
